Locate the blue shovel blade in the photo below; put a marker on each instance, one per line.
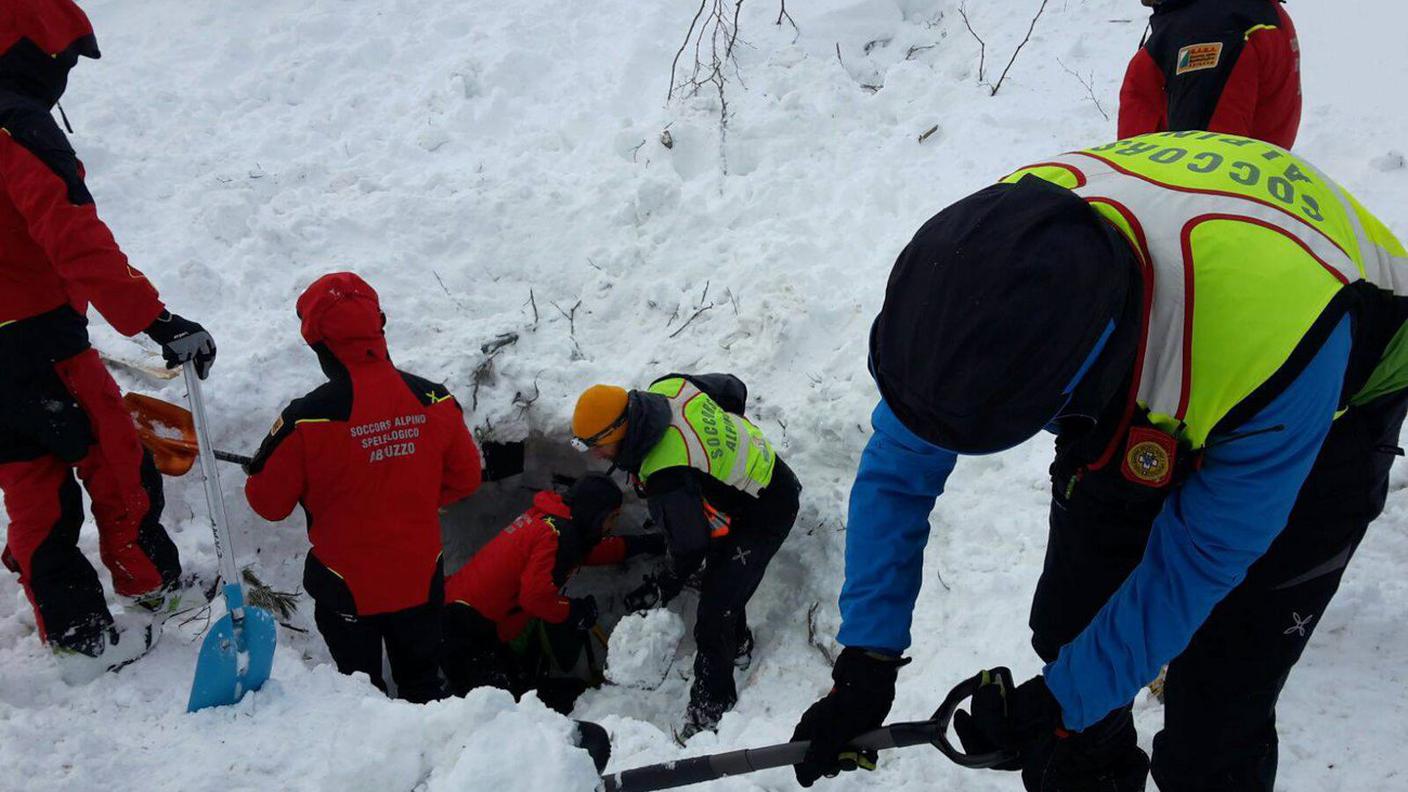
(234, 661)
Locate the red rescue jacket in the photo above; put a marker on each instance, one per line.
(372, 455)
(54, 251)
(520, 573)
(1218, 65)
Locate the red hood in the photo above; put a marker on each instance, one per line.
(343, 312)
(551, 503)
(40, 40)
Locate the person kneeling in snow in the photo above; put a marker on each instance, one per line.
(371, 455)
(507, 624)
(723, 497)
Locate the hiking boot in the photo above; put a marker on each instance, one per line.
(83, 659)
(698, 718)
(743, 656)
(170, 599)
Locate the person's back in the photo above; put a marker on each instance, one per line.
(1229, 66)
(371, 456)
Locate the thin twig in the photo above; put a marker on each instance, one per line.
(1019, 48)
(826, 653)
(687, 36)
(499, 342)
(1088, 84)
(572, 327)
(533, 302)
(692, 317)
(916, 49)
(982, 45)
(782, 14)
(447, 291)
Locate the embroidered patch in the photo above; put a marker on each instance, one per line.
(1196, 57)
(278, 424)
(1148, 457)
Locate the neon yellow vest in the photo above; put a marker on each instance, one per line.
(702, 436)
(1244, 247)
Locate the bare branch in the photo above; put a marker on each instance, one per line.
(982, 45)
(782, 14)
(826, 653)
(688, 34)
(1019, 48)
(1089, 84)
(571, 317)
(447, 291)
(692, 317)
(499, 342)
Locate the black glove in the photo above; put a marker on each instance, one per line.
(583, 612)
(182, 340)
(643, 597)
(652, 544)
(1025, 720)
(861, 698)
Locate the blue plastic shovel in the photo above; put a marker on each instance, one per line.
(238, 652)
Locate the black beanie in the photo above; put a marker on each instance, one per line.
(991, 311)
(592, 498)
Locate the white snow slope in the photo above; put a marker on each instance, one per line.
(495, 167)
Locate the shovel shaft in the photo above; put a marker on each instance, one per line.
(238, 459)
(696, 770)
(219, 522)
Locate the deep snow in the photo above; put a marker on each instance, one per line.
(490, 166)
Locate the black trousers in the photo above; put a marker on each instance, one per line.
(1219, 730)
(733, 568)
(412, 640)
(539, 660)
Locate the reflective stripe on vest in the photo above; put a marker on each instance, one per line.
(1258, 239)
(710, 446)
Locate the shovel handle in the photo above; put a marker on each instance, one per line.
(944, 715)
(219, 522)
(698, 769)
(238, 459)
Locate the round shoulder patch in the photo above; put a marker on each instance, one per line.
(1148, 461)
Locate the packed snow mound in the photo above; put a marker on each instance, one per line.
(643, 648)
(502, 168)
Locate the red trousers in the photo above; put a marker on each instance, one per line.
(45, 510)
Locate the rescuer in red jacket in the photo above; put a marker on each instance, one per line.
(371, 456)
(62, 411)
(1228, 66)
(513, 584)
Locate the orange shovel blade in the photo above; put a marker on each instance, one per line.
(166, 430)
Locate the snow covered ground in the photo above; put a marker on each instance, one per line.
(498, 168)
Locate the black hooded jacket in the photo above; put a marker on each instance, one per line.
(676, 496)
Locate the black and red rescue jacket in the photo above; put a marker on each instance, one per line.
(372, 455)
(56, 256)
(520, 573)
(1228, 66)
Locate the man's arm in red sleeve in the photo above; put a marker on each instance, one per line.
(463, 472)
(608, 552)
(277, 475)
(537, 594)
(43, 178)
(1143, 103)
